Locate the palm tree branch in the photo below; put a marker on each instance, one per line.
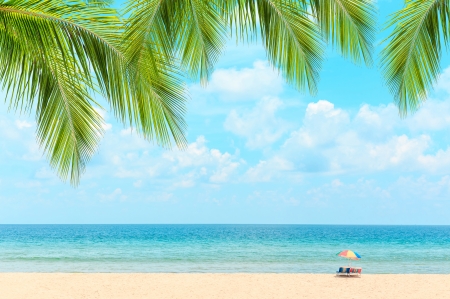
(293, 41)
(60, 20)
(349, 24)
(200, 35)
(38, 33)
(411, 59)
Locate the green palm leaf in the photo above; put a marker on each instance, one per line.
(55, 53)
(192, 30)
(411, 59)
(349, 25)
(155, 76)
(68, 127)
(292, 39)
(292, 31)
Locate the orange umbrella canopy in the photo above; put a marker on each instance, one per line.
(349, 255)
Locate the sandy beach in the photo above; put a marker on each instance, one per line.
(218, 286)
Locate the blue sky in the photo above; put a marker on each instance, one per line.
(259, 152)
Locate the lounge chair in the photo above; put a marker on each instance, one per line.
(349, 271)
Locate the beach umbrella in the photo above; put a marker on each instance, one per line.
(349, 254)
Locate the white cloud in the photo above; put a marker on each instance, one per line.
(405, 188)
(33, 153)
(259, 126)
(336, 183)
(434, 115)
(321, 125)
(23, 124)
(223, 174)
(45, 173)
(16, 129)
(28, 184)
(127, 132)
(443, 83)
(114, 195)
(185, 183)
(205, 162)
(106, 126)
(266, 170)
(245, 84)
(176, 168)
(331, 140)
(422, 187)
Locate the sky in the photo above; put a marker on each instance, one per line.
(259, 152)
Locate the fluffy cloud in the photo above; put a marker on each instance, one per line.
(202, 162)
(332, 140)
(22, 124)
(266, 170)
(244, 84)
(321, 125)
(180, 168)
(259, 126)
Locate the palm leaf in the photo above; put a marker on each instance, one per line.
(38, 69)
(292, 31)
(201, 37)
(292, 39)
(162, 117)
(192, 30)
(54, 53)
(69, 128)
(348, 25)
(411, 60)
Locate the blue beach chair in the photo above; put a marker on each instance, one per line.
(348, 271)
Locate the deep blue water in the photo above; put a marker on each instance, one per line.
(222, 248)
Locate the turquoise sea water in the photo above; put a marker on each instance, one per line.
(222, 248)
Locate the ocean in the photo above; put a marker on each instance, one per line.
(222, 248)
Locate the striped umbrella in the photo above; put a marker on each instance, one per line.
(349, 255)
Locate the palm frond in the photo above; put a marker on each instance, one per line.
(292, 31)
(68, 127)
(292, 40)
(201, 37)
(152, 72)
(349, 25)
(192, 30)
(38, 72)
(411, 60)
(150, 22)
(156, 77)
(54, 53)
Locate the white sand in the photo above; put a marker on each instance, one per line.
(214, 286)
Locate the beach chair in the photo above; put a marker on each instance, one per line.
(349, 271)
(355, 271)
(343, 271)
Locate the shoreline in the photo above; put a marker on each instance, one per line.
(220, 285)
